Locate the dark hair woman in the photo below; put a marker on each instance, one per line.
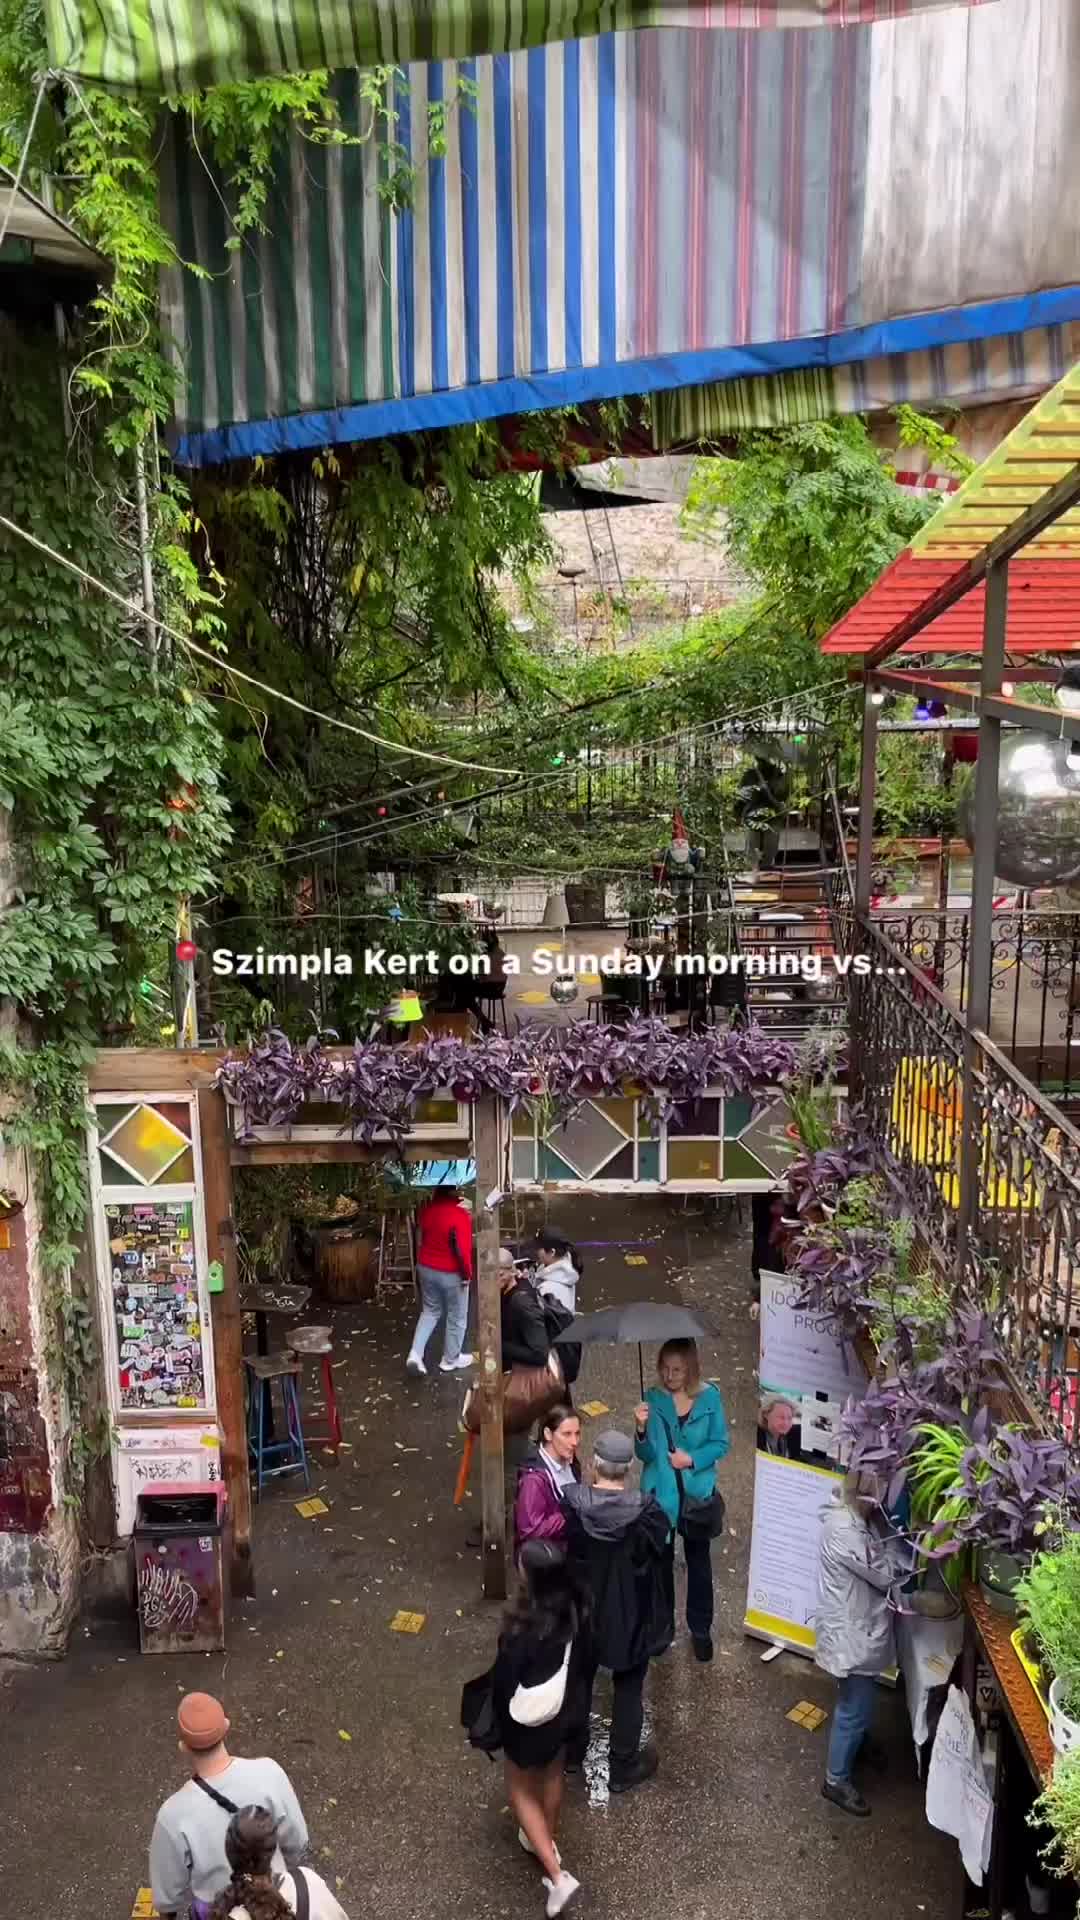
(559, 1268)
(545, 1474)
(540, 1701)
(682, 1433)
(251, 1893)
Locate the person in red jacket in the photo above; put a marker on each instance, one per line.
(444, 1269)
(545, 1474)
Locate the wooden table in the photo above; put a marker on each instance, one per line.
(1025, 1753)
(272, 1297)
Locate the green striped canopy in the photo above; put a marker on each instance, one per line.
(166, 46)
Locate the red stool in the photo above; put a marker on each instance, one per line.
(305, 1341)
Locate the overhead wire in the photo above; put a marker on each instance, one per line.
(224, 665)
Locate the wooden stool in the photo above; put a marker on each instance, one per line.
(317, 1340)
(263, 1369)
(494, 1004)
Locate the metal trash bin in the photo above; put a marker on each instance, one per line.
(178, 1569)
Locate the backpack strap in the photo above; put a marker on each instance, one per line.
(228, 1805)
(303, 1894)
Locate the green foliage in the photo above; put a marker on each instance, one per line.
(811, 514)
(1048, 1598)
(912, 799)
(99, 748)
(938, 1498)
(1058, 1807)
(44, 1093)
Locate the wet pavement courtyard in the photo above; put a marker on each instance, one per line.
(404, 1818)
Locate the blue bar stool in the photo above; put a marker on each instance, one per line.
(263, 1369)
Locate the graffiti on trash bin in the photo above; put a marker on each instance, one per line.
(167, 1601)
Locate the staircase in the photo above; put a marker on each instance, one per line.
(783, 919)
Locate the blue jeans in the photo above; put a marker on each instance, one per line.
(856, 1696)
(441, 1293)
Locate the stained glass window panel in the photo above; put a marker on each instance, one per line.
(738, 1113)
(739, 1164)
(649, 1160)
(524, 1160)
(147, 1143)
(588, 1139)
(177, 1113)
(109, 1117)
(114, 1175)
(693, 1159)
(522, 1124)
(696, 1116)
(558, 1169)
(620, 1111)
(621, 1167)
(180, 1174)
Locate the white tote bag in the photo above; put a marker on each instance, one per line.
(535, 1706)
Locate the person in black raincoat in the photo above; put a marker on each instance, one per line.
(616, 1539)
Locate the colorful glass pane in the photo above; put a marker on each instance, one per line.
(621, 1167)
(741, 1165)
(648, 1160)
(693, 1159)
(588, 1139)
(524, 1160)
(523, 1126)
(147, 1143)
(620, 1111)
(181, 1173)
(430, 1113)
(738, 1113)
(557, 1169)
(110, 1116)
(177, 1113)
(113, 1174)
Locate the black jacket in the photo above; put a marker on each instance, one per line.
(525, 1340)
(616, 1544)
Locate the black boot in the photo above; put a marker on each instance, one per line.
(843, 1794)
(703, 1647)
(641, 1768)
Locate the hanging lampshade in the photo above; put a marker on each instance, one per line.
(555, 912)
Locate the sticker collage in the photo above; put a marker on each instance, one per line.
(155, 1293)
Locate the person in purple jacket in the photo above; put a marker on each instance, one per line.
(545, 1473)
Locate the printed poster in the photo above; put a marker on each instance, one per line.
(156, 1306)
(806, 1376)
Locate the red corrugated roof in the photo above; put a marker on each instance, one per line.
(1044, 608)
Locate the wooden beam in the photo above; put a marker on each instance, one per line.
(489, 1315)
(227, 1323)
(337, 1153)
(153, 1069)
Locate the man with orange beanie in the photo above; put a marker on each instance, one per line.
(188, 1868)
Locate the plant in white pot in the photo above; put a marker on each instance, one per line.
(1048, 1603)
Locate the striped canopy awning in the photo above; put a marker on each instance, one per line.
(1044, 578)
(168, 46)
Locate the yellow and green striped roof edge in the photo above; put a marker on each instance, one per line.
(1039, 452)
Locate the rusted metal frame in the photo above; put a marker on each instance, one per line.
(1041, 514)
(983, 884)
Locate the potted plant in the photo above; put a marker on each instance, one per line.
(1017, 1483)
(1058, 1808)
(940, 1502)
(1048, 1603)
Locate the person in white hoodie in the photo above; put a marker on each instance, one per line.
(559, 1267)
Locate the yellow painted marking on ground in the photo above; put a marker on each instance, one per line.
(594, 1408)
(533, 998)
(636, 1259)
(144, 1908)
(403, 1622)
(310, 1509)
(805, 1714)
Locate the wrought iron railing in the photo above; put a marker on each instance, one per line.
(1020, 1255)
(1035, 982)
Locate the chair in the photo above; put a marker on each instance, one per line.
(494, 1006)
(318, 1341)
(263, 1369)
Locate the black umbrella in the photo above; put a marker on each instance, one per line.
(643, 1322)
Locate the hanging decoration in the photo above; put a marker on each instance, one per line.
(1038, 812)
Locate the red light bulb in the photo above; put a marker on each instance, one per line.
(186, 950)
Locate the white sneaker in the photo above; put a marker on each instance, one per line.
(560, 1893)
(415, 1365)
(454, 1366)
(526, 1843)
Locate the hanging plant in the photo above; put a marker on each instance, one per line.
(378, 1086)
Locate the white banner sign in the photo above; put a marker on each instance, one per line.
(784, 1547)
(958, 1800)
(800, 1352)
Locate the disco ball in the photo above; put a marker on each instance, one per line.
(563, 989)
(1038, 812)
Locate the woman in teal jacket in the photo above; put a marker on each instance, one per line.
(682, 1433)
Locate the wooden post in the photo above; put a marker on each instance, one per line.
(864, 856)
(228, 1336)
(486, 1119)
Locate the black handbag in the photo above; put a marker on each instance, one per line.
(478, 1716)
(698, 1519)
